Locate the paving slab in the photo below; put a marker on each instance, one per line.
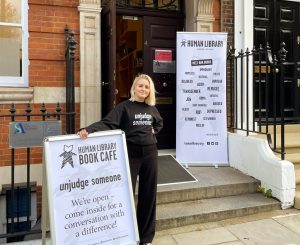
(266, 231)
(292, 222)
(288, 217)
(231, 243)
(164, 240)
(206, 237)
(32, 242)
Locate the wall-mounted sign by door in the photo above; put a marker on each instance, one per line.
(32, 133)
(163, 61)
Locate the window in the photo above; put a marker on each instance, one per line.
(169, 5)
(14, 43)
(17, 211)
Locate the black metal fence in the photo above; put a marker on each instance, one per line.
(70, 79)
(18, 210)
(255, 77)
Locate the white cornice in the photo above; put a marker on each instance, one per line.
(205, 7)
(15, 95)
(89, 9)
(96, 2)
(89, 6)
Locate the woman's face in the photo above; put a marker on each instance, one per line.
(141, 89)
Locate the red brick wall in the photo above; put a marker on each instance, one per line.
(39, 201)
(217, 15)
(227, 19)
(47, 20)
(227, 25)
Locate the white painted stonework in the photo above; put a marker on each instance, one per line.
(254, 157)
(36, 174)
(90, 73)
(52, 95)
(205, 18)
(15, 95)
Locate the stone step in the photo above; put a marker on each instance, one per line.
(288, 128)
(172, 215)
(297, 174)
(291, 141)
(220, 193)
(198, 193)
(293, 157)
(212, 182)
(297, 197)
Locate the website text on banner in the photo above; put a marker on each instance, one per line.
(89, 190)
(201, 131)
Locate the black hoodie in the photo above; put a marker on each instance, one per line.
(136, 119)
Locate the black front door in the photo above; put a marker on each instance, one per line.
(129, 49)
(277, 21)
(159, 62)
(108, 57)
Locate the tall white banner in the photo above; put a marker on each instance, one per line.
(201, 131)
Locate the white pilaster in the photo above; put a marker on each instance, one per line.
(90, 72)
(205, 18)
(191, 13)
(243, 23)
(243, 39)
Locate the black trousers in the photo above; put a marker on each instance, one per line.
(143, 163)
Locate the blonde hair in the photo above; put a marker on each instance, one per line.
(150, 100)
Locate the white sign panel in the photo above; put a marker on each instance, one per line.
(89, 190)
(201, 131)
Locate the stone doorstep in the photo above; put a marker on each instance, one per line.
(198, 193)
(293, 157)
(297, 200)
(288, 128)
(297, 175)
(292, 141)
(208, 210)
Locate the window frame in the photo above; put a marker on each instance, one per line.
(22, 81)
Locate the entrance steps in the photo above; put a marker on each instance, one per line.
(220, 193)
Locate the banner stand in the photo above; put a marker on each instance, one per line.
(201, 131)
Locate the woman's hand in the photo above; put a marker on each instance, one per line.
(83, 133)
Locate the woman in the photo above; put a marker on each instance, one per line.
(141, 121)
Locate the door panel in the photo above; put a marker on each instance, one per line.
(263, 28)
(160, 37)
(276, 22)
(108, 56)
(288, 22)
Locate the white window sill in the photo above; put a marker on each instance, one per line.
(15, 95)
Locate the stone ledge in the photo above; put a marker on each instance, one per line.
(15, 95)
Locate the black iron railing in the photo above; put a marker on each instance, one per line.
(255, 78)
(70, 79)
(14, 214)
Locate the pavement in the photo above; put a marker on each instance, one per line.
(278, 227)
